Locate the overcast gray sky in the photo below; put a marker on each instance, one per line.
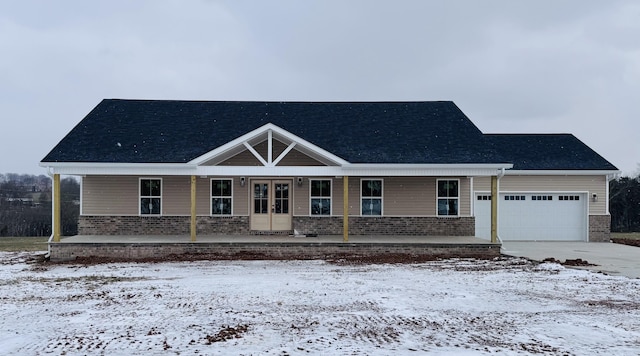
(511, 66)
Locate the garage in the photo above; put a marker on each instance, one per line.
(534, 216)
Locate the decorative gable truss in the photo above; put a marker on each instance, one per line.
(268, 148)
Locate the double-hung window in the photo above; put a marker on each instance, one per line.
(320, 197)
(371, 196)
(221, 196)
(150, 196)
(448, 197)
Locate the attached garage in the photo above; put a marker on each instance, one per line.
(529, 216)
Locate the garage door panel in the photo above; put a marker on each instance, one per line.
(535, 216)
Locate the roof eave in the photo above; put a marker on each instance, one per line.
(562, 172)
(98, 168)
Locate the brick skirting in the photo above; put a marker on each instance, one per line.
(161, 225)
(100, 252)
(239, 225)
(404, 226)
(599, 228)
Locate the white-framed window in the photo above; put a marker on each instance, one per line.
(150, 196)
(320, 196)
(221, 196)
(448, 192)
(371, 197)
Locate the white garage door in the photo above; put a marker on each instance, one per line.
(534, 216)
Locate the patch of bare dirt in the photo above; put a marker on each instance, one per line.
(339, 259)
(569, 262)
(630, 242)
(227, 333)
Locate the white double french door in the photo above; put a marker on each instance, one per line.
(271, 205)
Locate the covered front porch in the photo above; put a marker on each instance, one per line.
(371, 248)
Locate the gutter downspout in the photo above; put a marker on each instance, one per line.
(501, 174)
(50, 174)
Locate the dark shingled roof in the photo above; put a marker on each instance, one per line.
(547, 152)
(152, 131)
(170, 131)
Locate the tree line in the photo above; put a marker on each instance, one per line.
(25, 205)
(624, 204)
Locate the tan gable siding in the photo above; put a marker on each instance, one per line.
(106, 195)
(297, 158)
(244, 158)
(591, 184)
(278, 148)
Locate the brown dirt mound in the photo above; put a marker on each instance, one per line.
(630, 242)
(344, 259)
(569, 262)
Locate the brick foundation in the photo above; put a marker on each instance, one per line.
(599, 228)
(301, 251)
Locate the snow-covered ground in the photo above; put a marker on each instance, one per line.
(506, 306)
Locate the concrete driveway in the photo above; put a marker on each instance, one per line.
(610, 258)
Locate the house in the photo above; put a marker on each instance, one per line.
(163, 167)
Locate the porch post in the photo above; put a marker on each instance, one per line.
(494, 209)
(56, 208)
(193, 208)
(345, 207)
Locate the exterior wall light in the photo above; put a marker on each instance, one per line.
(242, 181)
(594, 197)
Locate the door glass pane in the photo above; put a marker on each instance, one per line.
(260, 198)
(281, 203)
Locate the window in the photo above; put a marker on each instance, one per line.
(150, 196)
(484, 197)
(514, 197)
(542, 197)
(371, 196)
(569, 197)
(320, 197)
(221, 196)
(448, 197)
